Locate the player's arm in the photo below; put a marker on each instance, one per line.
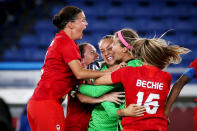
(95, 91)
(132, 110)
(111, 78)
(81, 73)
(112, 97)
(110, 109)
(115, 111)
(89, 100)
(104, 80)
(177, 87)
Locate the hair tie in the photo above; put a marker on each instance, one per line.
(123, 41)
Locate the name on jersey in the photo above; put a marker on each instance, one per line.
(149, 84)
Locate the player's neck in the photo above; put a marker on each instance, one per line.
(68, 32)
(127, 58)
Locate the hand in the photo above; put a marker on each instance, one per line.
(116, 67)
(166, 113)
(134, 110)
(114, 97)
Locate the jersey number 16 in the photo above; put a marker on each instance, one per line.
(149, 102)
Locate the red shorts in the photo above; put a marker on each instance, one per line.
(45, 115)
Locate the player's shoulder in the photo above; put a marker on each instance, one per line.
(62, 41)
(166, 75)
(60, 37)
(129, 69)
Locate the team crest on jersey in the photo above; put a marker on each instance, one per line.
(58, 127)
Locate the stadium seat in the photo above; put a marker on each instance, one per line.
(94, 38)
(148, 18)
(115, 11)
(13, 55)
(33, 54)
(193, 41)
(183, 25)
(183, 37)
(44, 25)
(55, 9)
(28, 40)
(45, 38)
(96, 24)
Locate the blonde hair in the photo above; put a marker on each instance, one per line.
(129, 35)
(157, 52)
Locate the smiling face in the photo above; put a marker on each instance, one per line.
(78, 25)
(105, 47)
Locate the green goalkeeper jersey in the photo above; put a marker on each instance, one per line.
(104, 117)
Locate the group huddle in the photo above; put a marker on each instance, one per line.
(126, 91)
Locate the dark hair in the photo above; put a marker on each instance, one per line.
(82, 47)
(65, 15)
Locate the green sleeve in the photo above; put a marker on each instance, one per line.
(95, 91)
(111, 109)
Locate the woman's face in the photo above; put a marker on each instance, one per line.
(105, 47)
(90, 54)
(78, 25)
(117, 49)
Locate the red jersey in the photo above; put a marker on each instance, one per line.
(57, 78)
(78, 115)
(148, 86)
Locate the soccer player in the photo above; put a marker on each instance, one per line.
(88, 54)
(60, 73)
(106, 115)
(189, 74)
(147, 85)
(79, 106)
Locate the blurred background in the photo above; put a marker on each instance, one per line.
(27, 30)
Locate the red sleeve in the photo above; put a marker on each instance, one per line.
(115, 76)
(118, 75)
(69, 50)
(194, 65)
